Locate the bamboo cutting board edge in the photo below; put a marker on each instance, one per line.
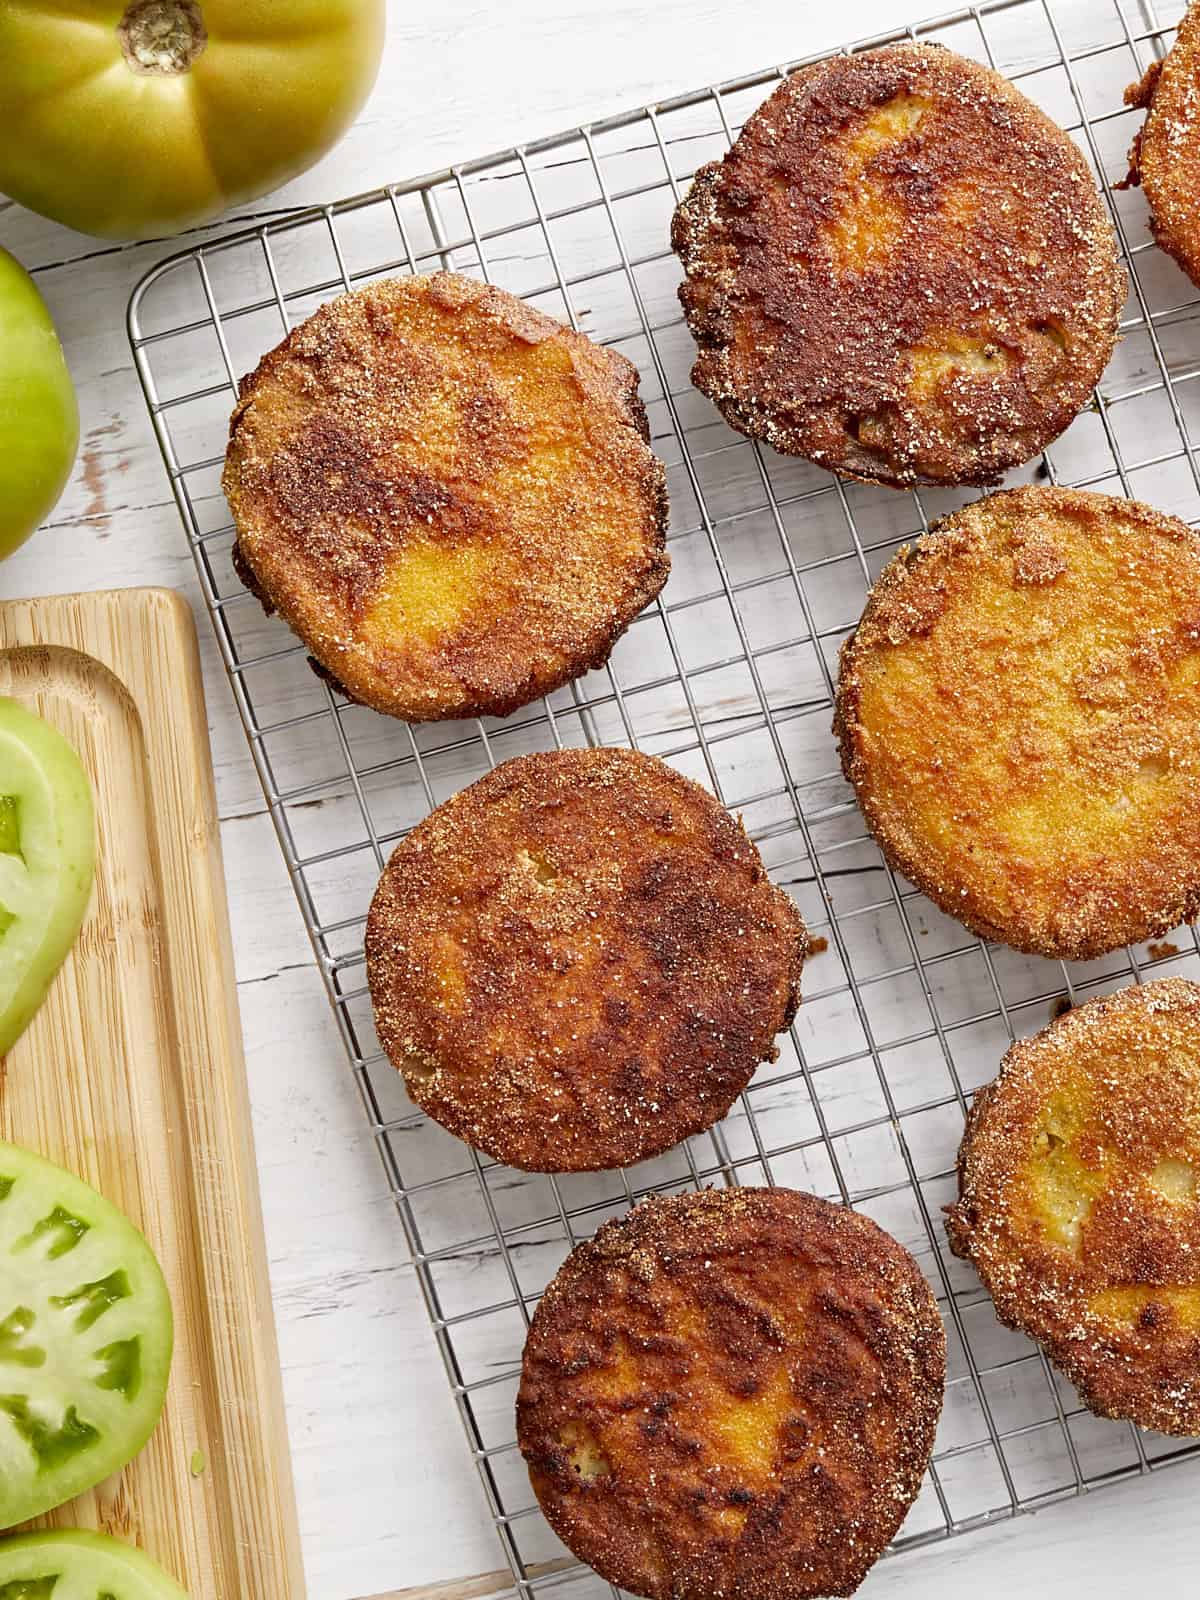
(123, 669)
(478, 1588)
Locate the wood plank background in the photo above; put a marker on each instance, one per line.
(389, 1500)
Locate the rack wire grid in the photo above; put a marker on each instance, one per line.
(729, 676)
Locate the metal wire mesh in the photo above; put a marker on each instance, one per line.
(730, 677)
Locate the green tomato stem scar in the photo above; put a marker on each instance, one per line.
(162, 36)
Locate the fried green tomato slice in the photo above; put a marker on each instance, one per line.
(1165, 158)
(1019, 714)
(579, 960)
(1078, 1200)
(85, 1337)
(73, 1565)
(902, 270)
(447, 495)
(47, 861)
(732, 1393)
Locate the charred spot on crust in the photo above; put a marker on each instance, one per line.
(246, 574)
(326, 675)
(831, 255)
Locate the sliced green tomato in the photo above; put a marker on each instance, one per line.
(79, 1566)
(85, 1338)
(47, 859)
(39, 416)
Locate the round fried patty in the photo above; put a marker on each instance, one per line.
(1165, 158)
(902, 270)
(447, 495)
(732, 1393)
(1019, 713)
(1078, 1203)
(579, 960)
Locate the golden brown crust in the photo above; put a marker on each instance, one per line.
(732, 1393)
(449, 496)
(1077, 1200)
(902, 270)
(1019, 714)
(1165, 155)
(579, 960)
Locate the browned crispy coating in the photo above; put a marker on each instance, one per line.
(1078, 1204)
(579, 960)
(1019, 713)
(902, 270)
(1165, 156)
(449, 496)
(732, 1394)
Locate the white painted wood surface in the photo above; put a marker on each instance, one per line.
(388, 1496)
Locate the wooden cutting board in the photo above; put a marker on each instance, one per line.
(132, 1076)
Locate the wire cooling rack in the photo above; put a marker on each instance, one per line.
(730, 677)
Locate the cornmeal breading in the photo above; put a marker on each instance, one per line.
(448, 496)
(902, 270)
(1165, 158)
(1078, 1201)
(579, 960)
(1019, 713)
(732, 1394)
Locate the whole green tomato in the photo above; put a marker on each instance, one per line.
(39, 419)
(130, 120)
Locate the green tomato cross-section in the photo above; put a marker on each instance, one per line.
(70, 1565)
(47, 860)
(85, 1340)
